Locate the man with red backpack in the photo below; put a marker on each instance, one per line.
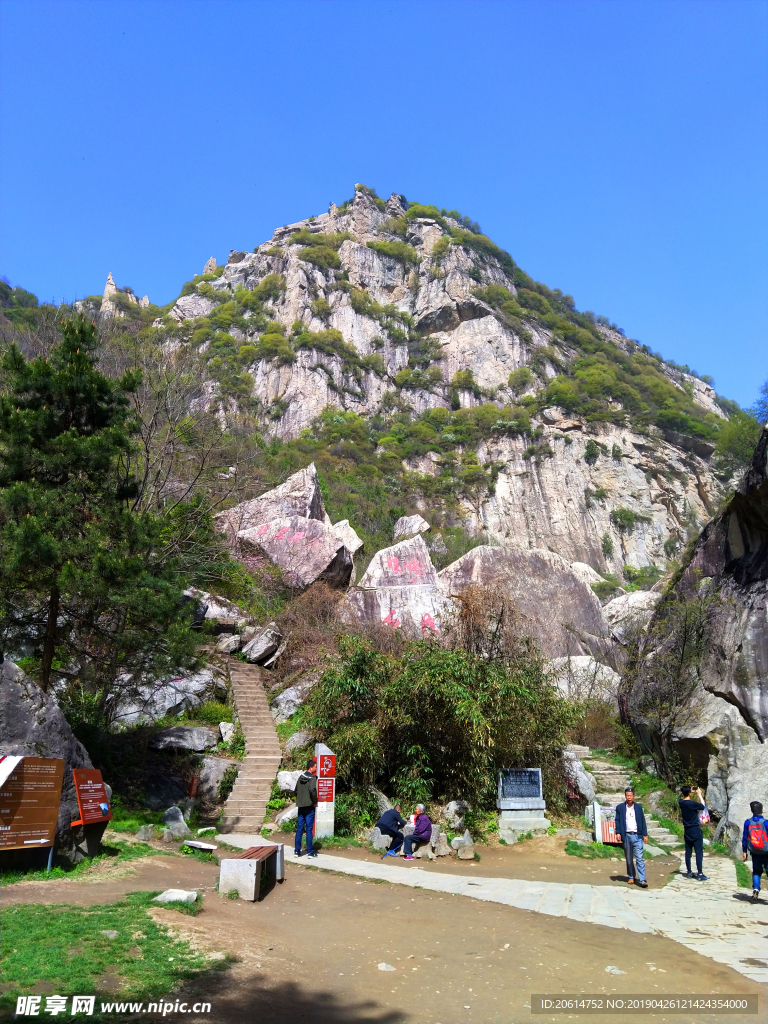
(755, 839)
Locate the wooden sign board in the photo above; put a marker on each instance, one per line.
(609, 832)
(92, 796)
(29, 803)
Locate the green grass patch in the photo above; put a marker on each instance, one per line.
(63, 946)
(593, 851)
(743, 874)
(117, 852)
(335, 842)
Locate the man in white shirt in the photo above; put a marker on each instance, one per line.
(633, 832)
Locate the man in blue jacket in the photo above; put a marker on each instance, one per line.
(633, 832)
(389, 824)
(754, 839)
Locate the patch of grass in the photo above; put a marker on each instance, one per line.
(593, 851)
(743, 875)
(64, 947)
(336, 842)
(211, 713)
(205, 856)
(118, 852)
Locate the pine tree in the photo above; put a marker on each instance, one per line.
(84, 580)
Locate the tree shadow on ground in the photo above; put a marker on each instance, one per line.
(252, 999)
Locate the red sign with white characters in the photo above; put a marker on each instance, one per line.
(325, 790)
(326, 766)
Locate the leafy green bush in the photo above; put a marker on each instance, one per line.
(624, 519)
(212, 712)
(321, 256)
(437, 721)
(591, 452)
(321, 308)
(271, 287)
(520, 380)
(736, 442)
(228, 780)
(440, 249)
(607, 545)
(400, 251)
(641, 579)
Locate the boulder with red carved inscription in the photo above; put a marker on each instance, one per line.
(304, 550)
(400, 589)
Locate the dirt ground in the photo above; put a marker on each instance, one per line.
(536, 860)
(309, 951)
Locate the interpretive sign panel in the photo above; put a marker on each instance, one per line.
(325, 790)
(92, 796)
(29, 803)
(520, 784)
(326, 766)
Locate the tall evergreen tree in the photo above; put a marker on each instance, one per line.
(85, 583)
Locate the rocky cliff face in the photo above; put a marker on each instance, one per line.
(399, 307)
(725, 728)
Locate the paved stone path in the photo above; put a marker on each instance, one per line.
(704, 916)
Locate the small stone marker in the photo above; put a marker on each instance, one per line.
(145, 833)
(176, 896)
(520, 801)
(386, 967)
(110, 933)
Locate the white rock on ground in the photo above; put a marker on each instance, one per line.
(287, 780)
(229, 643)
(296, 740)
(226, 731)
(263, 644)
(177, 896)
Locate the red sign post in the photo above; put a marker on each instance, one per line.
(92, 796)
(326, 791)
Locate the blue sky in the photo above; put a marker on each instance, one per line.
(617, 150)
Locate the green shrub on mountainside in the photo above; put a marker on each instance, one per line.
(399, 251)
(736, 441)
(624, 519)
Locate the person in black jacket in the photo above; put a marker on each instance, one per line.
(389, 824)
(694, 837)
(306, 801)
(633, 832)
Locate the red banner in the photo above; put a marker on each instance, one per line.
(91, 796)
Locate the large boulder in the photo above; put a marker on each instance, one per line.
(400, 589)
(263, 644)
(348, 536)
(153, 699)
(304, 550)
(409, 526)
(212, 770)
(582, 676)
(628, 615)
(33, 725)
(556, 606)
(582, 780)
(298, 496)
(184, 737)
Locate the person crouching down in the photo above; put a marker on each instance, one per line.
(422, 832)
(632, 830)
(306, 801)
(389, 824)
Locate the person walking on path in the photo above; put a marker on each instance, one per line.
(389, 824)
(306, 801)
(694, 837)
(633, 832)
(422, 832)
(755, 840)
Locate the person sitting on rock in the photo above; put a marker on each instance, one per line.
(692, 834)
(422, 832)
(389, 824)
(306, 801)
(633, 832)
(754, 839)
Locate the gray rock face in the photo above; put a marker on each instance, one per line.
(582, 677)
(287, 703)
(265, 642)
(146, 701)
(287, 780)
(725, 727)
(296, 740)
(229, 643)
(630, 612)
(32, 725)
(184, 737)
(406, 564)
(556, 606)
(188, 307)
(304, 550)
(410, 526)
(454, 812)
(211, 773)
(226, 731)
(298, 496)
(582, 779)
(173, 819)
(348, 536)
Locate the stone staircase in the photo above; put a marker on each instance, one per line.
(246, 806)
(662, 835)
(610, 781)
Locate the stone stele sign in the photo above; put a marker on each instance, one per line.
(520, 789)
(29, 802)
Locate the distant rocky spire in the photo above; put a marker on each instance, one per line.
(210, 266)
